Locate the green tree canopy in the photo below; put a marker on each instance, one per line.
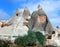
(40, 37)
(31, 39)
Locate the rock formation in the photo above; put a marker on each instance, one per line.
(17, 14)
(26, 13)
(40, 22)
(15, 26)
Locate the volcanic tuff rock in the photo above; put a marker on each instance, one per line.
(26, 13)
(40, 22)
(17, 14)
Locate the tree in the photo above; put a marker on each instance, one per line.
(31, 38)
(40, 37)
(21, 41)
(3, 43)
(27, 40)
(57, 26)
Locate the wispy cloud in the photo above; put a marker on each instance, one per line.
(51, 7)
(3, 15)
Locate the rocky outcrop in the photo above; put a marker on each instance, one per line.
(16, 26)
(17, 14)
(40, 22)
(26, 13)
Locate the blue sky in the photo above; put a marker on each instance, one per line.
(51, 8)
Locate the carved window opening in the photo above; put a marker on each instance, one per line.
(17, 14)
(27, 19)
(49, 37)
(53, 32)
(58, 35)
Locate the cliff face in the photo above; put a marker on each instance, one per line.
(15, 26)
(26, 13)
(17, 14)
(40, 22)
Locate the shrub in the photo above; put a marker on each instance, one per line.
(40, 37)
(3, 44)
(21, 41)
(29, 39)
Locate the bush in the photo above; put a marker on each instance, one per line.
(31, 39)
(21, 41)
(40, 37)
(3, 44)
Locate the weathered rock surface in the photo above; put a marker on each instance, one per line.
(26, 13)
(40, 22)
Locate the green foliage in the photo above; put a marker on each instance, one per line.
(40, 37)
(27, 39)
(3, 44)
(31, 39)
(21, 41)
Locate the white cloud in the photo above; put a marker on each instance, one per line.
(3, 15)
(51, 8)
(55, 22)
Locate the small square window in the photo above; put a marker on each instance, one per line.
(17, 14)
(58, 34)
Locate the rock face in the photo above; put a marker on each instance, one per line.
(40, 22)
(26, 13)
(16, 26)
(17, 14)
